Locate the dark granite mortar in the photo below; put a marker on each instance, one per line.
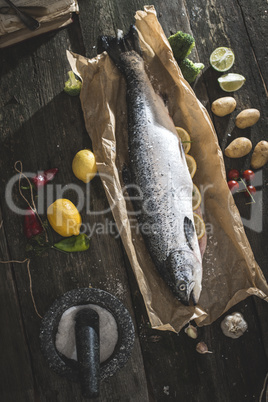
(49, 326)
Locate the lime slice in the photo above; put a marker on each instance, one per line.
(231, 82)
(222, 59)
(185, 139)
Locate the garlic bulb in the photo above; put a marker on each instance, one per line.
(234, 325)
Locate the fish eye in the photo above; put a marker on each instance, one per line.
(182, 287)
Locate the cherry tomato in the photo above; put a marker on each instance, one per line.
(251, 189)
(233, 174)
(248, 175)
(233, 185)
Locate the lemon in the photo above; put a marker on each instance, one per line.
(231, 82)
(200, 226)
(222, 59)
(185, 139)
(196, 197)
(64, 217)
(191, 163)
(84, 165)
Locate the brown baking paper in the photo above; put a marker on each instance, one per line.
(230, 272)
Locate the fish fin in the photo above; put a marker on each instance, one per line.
(115, 46)
(189, 230)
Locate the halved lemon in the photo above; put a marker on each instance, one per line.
(196, 197)
(185, 139)
(200, 226)
(191, 163)
(231, 82)
(222, 59)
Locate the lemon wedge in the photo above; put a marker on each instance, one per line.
(231, 82)
(200, 226)
(222, 59)
(191, 163)
(185, 139)
(196, 197)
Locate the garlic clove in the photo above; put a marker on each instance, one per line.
(234, 325)
(202, 348)
(191, 331)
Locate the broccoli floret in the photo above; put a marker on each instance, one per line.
(190, 70)
(181, 44)
(72, 86)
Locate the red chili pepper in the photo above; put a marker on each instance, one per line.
(32, 225)
(43, 178)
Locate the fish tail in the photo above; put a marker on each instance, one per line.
(116, 46)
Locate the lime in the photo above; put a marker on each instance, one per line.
(222, 59)
(185, 139)
(231, 82)
(191, 163)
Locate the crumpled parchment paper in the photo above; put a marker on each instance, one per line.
(230, 272)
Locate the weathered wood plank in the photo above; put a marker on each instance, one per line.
(256, 23)
(17, 380)
(44, 127)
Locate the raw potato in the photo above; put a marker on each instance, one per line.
(239, 147)
(247, 118)
(223, 106)
(260, 155)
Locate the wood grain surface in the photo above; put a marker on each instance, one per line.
(44, 128)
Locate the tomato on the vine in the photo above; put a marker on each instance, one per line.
(233, 174)
(248, 175)
(251, 189)
(233, 185)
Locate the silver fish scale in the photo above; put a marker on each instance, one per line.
(166, 188)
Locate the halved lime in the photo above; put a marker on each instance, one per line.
(222, 59)
(231, 82)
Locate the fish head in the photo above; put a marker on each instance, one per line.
(181, 265)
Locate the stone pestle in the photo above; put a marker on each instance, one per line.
(88, 351)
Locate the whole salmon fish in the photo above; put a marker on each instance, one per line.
(157, 177)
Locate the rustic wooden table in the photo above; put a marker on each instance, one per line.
(43, 127)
